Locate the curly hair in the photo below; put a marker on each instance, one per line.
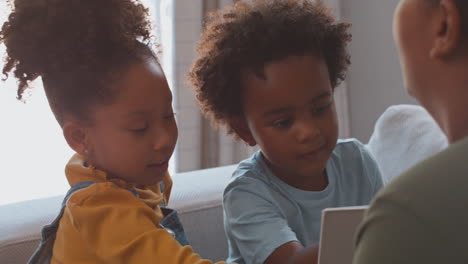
(78, 47)
(248, 35)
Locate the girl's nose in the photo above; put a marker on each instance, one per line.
(165, 137)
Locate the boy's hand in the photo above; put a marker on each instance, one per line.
(294, 253)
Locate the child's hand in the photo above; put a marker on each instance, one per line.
(294, 253)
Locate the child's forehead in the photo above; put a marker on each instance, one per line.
(141, 87)
(142, 71)
(292, 81)
(143, 106)
(291, 71)
(282, 64)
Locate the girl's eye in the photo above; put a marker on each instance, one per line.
(170, 116)
(140, 130)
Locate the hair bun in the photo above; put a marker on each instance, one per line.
(50, 36)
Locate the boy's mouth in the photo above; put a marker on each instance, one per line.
(312, 153)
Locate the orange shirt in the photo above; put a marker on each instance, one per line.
(106, 223)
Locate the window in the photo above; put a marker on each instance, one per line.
(33, 152)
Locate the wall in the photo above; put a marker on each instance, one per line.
(374, 80)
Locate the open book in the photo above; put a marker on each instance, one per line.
(337, 236)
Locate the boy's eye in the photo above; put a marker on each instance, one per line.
(321, 109)
(282, 123)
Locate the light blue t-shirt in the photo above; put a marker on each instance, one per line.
(261, 212)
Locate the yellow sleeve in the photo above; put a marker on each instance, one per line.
(118, 228)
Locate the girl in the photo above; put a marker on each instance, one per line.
(110, 96)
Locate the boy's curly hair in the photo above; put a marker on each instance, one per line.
(76, 46)
(248, 35)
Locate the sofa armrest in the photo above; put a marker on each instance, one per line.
(20, 225)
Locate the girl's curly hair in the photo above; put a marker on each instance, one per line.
(250, 34)
(77, 46)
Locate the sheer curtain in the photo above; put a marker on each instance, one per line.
(219, 149)
(199, 145)
(341, 92)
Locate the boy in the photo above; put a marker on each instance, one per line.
(267, 70)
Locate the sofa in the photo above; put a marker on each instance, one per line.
(403, 135)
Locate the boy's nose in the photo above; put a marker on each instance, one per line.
(306, 132)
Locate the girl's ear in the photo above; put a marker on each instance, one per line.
(448, 30)
(76, 135)
(239, 125)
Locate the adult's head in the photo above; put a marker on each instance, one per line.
(431, 36)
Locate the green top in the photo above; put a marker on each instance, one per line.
(422, 216)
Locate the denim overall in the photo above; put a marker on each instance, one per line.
(43, 253)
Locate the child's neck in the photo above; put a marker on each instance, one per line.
(315, 183)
